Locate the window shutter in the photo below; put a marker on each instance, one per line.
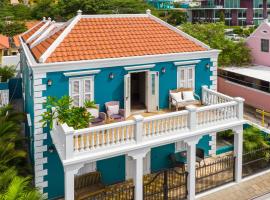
(88, 93)
(75, 92)
(182, 78)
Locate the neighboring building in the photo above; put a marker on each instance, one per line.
(122, 58)
(162, 4)
(236, 12)
(251, 82)
(14, 2)
(4, 47)
(258, 42)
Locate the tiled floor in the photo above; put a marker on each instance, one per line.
(244, 191)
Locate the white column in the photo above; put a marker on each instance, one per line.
(70, 171)
(238, 152)
(191, 166)
(240, 108)
(192, 118)
(138, 175)
(138, 128)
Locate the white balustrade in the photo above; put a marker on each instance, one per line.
(217, 113)
(165, 123)
(104, 136)
(218, 109)
(210, 97)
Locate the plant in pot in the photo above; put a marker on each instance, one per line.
(92, 108)
(63, 111)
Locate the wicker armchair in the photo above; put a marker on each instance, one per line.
(101, 116)
(120, 116)
(182, 104)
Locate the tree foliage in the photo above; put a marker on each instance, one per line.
(13, 159)
(213, 34)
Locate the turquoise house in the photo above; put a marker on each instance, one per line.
(122, 58)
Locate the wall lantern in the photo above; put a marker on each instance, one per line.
(163, 70)
(31, 76)
(111, 76)
(51, 149)
(207, 65)
(49, 82)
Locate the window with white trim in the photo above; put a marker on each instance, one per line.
(186, 77)
(81, 90)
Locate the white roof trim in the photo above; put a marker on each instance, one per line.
(139, 67)
(187, 62)
(60, 38)
(32, 27)
(116, 62)
(179, 31)
(44, 34)
(115, 16)
(89, 72)
(32, 37)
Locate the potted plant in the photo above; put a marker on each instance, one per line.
(63, 111)
(90, 105)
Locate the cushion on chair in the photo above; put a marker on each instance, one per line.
(94, 112)
(188, 96)
(116, 116)
(97, 120)
(114, 110)
(177, 97)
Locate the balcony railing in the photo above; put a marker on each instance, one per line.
(218, 109)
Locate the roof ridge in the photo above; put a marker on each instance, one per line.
(71, 23)
(178, 31)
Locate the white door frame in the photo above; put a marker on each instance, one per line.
(127, 91)
(152, 104)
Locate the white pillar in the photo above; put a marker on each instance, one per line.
(192, 118)
(138, 175)
(70, 172)
(191, 166)
(238, 152)
(240, 107)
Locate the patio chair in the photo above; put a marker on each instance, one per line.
(200, 156)
(182, 97)
(114, 112)
(87, 184)
(99, 117)
(175, 162)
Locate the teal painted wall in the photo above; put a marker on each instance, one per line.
(28, 104)
(159, 157)
(108, 90)
(112, 170)
(204, 144)
(15, 88)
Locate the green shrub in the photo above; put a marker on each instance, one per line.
(64, 112)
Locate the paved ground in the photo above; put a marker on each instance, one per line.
(244, 191)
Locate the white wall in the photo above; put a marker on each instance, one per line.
(11, 60)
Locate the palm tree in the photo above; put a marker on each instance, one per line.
(9, 156)
(254, 139)
(14, 187)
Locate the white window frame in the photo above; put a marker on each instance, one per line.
(82, 89)
(185, 83)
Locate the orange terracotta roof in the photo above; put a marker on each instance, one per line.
(4, 42)
(31, 24)
(16, 40)
(113, 37)
(28, 34)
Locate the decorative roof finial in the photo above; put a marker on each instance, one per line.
(148, 12)
(44, 19)
(79, 12)
(50, 19)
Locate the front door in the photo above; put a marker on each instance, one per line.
(127, 94)
(152, 91)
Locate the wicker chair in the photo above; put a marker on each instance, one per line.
(120, 116)
(180, 105)
(101, 119)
